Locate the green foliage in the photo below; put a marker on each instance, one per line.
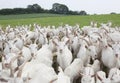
(35, 8)
(82, 12)
(56, 19)
(60, 8)
(25, 16)
(112, 13)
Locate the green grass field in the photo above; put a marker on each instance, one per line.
(54, 19)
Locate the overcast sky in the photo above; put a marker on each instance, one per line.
(90, 6)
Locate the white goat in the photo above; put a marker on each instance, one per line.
(114, 75)
(88, 75)
(73, 70)
(64, 55)
(101, 77)
(45, 55)
(82, 54)
(107, 51)
(62, 78)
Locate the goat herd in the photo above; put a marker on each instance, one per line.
(64, 54)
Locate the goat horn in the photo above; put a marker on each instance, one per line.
(98, 34)
(86, 41)
(3, 80)
(21, 67)
(12, 60)
(105, 29)
(53, 80)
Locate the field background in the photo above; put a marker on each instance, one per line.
(56, 19)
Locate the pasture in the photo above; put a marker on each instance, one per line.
(55, 19)
(67, 54)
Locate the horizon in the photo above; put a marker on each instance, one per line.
(91, 7)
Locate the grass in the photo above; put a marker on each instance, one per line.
(54, 19)
(24, 16)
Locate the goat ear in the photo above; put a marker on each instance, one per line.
(52, 81)
(93, 75)
(116, 55)
(81, 74)
(60, 69)
(26, 46)
(3, 80)
(89, 36)
(99, 39)
(20, 53)
(109, 45)
(86, 47)
(5, 41)
(36, 41)
(67, 42)
(4, 57)
(54, 42)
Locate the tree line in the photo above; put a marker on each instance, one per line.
(35, 8)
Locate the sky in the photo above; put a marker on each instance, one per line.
(90, 6)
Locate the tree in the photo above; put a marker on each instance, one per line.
(35, 8)
(60, 8)
(6, 11)
(19, 11)
(112, 13)
(83, 12)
